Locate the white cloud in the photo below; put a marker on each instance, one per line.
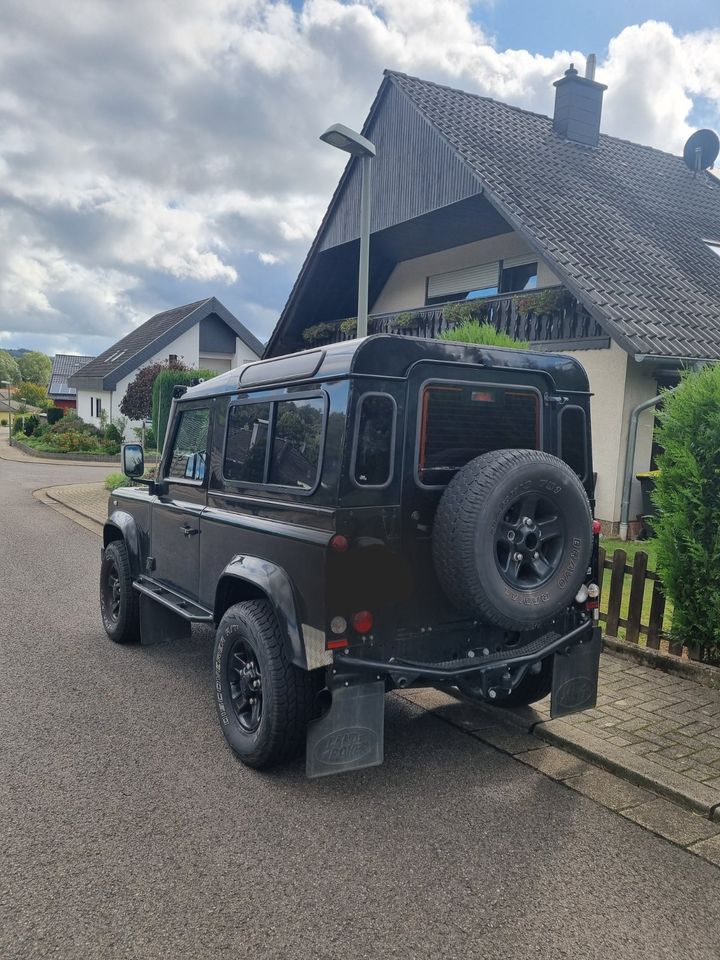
(151, 153)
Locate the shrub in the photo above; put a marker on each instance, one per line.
(481, 333)
(76, 442)
(113, 434)
(17, 426)
(162, 394)
(54, 414)
(687, 494)
(317, 333)
(113, 480)
(31, 425)
(138, 400)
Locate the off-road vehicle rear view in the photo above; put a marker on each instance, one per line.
(376, 514)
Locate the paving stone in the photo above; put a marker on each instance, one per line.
(554, 762)
(709, 849)
(511, 741)
(609, 790)
(671, 822)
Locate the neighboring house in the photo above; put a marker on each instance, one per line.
(9, 405)
(203, 334)
(64, 365)
(579, 242)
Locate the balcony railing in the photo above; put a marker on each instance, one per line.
(538, 316)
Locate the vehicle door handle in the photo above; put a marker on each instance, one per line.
(189, 531)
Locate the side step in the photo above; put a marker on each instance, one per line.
(174, 601)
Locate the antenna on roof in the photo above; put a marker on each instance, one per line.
(701, 150)
(590, 65)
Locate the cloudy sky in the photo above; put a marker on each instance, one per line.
(155, 153)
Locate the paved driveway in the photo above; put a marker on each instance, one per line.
(128, 830)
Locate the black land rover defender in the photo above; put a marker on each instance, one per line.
(380, 513)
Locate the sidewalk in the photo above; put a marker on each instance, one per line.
(653, 728)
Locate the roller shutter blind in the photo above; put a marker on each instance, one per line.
(462, 281)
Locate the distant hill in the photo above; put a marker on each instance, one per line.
(20, 352)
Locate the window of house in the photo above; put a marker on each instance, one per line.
(373, 453)
(92, 406)
(246, 446)
(98, 407)
(189, 449)
(521, 276)
(466, 284)
(462, 421)
(277, 442)
(573, 440)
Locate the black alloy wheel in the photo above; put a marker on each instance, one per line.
(530, 542)
(119, 601)
(245, 686)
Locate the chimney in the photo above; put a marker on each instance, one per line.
(578, 105)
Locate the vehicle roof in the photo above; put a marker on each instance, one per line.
(388, 355)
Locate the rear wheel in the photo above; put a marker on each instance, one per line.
(263, 701)
(119, 604)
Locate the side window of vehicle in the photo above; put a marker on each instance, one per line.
(373, 454)
(247, 439)
(296, 443)
(188, 454)
(573, 440)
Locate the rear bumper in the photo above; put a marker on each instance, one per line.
(405, 673)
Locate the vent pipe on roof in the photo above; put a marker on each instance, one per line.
(578, 105)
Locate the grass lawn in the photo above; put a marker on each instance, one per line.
(631, 547)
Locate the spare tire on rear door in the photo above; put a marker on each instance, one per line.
(512, 538)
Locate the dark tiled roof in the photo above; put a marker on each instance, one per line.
(150, 337)
(623, 225)
(63, 366)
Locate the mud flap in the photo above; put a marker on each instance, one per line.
(160, 625)
(575, 677)
(350, 735)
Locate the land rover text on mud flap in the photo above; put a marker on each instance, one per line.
(376, 514)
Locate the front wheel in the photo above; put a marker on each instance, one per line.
(264, 702)
(119, 605)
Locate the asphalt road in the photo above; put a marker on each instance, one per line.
(128, 829)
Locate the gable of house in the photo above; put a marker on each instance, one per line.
(622, 226)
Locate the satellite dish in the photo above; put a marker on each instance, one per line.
(701, 150)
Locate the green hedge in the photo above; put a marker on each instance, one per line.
(162, 395)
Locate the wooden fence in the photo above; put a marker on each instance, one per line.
(642, 580)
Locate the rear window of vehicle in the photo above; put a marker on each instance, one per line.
(277, 442)
(462, 421)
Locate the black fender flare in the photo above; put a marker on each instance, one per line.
(273, 582)
(122, 526)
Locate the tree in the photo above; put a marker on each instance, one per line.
(35, 367)
(137, 402)
(9, 369)
(34, 394)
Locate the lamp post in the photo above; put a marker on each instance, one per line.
(8, 384)
(352, 142)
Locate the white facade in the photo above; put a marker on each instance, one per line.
(186, 348)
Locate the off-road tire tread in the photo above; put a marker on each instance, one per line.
(294, 690)
(130, 631)
(453, 528)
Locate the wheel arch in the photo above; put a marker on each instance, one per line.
(122, 526)
(252, 578)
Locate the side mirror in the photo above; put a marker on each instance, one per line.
(133, 460)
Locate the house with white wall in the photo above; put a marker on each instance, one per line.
(202, 335)
(578, 242)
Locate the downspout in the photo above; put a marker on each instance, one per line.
(630, 460)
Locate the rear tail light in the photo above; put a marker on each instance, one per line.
(362, 621)
(596, 527)
(339, 543)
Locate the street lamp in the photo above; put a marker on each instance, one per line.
(352, 142)
(8, 384)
